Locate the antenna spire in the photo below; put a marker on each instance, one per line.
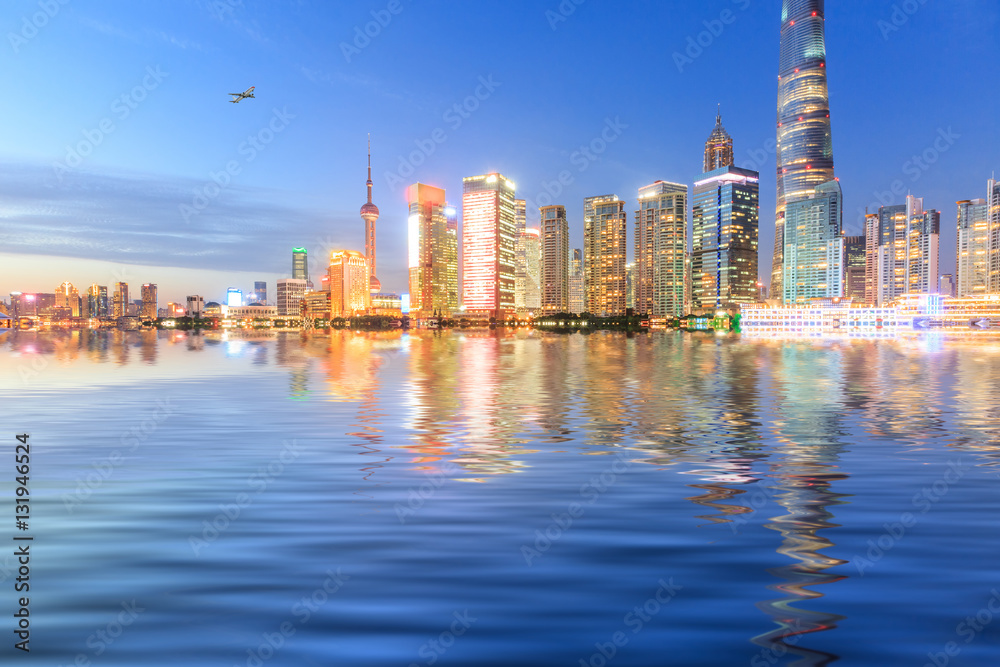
(369, 168)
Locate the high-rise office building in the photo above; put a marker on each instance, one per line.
(528, 271)
(369, 213)
(520, 215)
(300, 264)
(121, 302)
(350, 283)
(260, 292)
(68, 299)
(290, 292)
(855, 268)
(993, 214)
(872, 240)
(908, 250)
(660, 249)
(555, 259)
(97, 301)
(148, 310)
(488, 245)
(725, 223)
(718, 148)
(805, 144)
(576, 293)
(604, 239)
(814, 246)
(973, 252)
(433, 252)
(195, 306)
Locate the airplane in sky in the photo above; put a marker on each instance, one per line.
(242, 96)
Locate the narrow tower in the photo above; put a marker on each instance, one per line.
(719, 147)
(369, 213)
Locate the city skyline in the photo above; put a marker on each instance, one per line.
(286, 197)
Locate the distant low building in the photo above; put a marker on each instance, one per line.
(386, 304)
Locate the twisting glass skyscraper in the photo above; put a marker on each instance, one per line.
(805, 147)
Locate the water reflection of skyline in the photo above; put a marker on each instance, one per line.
(731, 416)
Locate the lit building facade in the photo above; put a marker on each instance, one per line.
(718, 148)
(946, 285)
(120, 300)
(195, 306)
(96, 302)
(973, 252)
(576, 292)
(528, 271)
(68, 300)
(300, 264)
(871, 258)
(432, 241)
(814, 246)
(805, 143)
(520, 215)
(148, 301)
(350, 283)
(908, 251)
(604, 237)
(234, 297)
(290, 294)
(259, 292)
(555, 259)
(725, 223)
(660, 250)
(488, 245)
(993, 214)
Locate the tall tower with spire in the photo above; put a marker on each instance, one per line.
(369, 213)
(719, 147)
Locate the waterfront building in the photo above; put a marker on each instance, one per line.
(300, 264)
(121, 302)
(195, 306)
(174, 309)
(67, 299)
(805, 144)
(604, 237)
(555, 259)
(908, 250)
(290, 294)
(488, 245)
(349, 283)
(719, 147)
(369, 213)
(819, 317)
(149, 309)
(317, 305)
(725, 216)
(432, 242)
(855, 268)
(234, 297)
(660, 249)
(872, 241)
(386, 304)
(96, 302)
(973, 251)
(528, 271)
(993, 213)
(813, 265)
(576, 293)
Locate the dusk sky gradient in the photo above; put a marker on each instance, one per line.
(556, 86)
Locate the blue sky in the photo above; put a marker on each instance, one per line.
(141, 88)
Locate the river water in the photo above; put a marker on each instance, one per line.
(504, 498)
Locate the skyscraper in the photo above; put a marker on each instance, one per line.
(433, 252)
(660, 249)
(923, 251)
(260, 292)
(148, 301)
(67, 298)
(871, 258)
(725, 221)
(350, 283)
(369, 213)
(855, 266)
(993, 213)
(576, 293)
(805, 144)
(520, 215)
(814, 246)
(908, 250)
(300, 264)
(604, 241)
(120, 308)
(555, 259)
(488, 240)
(97, 301)
(528, 271)
(719, 147)
(973, 252)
